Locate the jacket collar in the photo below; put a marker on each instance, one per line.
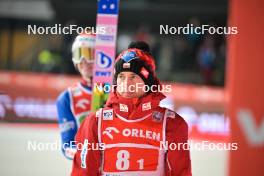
(134, 108)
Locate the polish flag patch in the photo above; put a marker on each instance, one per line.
(126, 65)
(144, 72)
(146, 106)
(123, 107)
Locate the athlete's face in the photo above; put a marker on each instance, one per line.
(86, 69)
(130, 85)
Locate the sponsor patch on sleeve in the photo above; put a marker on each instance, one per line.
(170, 114)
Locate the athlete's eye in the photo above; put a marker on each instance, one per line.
(120, 76)
(133, 77)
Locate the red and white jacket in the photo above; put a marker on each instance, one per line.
(131, 133)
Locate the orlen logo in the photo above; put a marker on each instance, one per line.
(102, 60)
(108, 131)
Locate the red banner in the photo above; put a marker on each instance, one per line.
(246, 87)
(32, 96)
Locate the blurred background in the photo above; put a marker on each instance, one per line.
(34, 69)
(180, 58)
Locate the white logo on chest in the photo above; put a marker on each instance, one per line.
(108, 131)
(137, 133)
(140, 133)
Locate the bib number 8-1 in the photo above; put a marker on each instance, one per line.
(122, 162)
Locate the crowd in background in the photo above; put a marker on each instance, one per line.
(192, 58)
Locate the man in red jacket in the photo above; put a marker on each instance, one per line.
(125, 137)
